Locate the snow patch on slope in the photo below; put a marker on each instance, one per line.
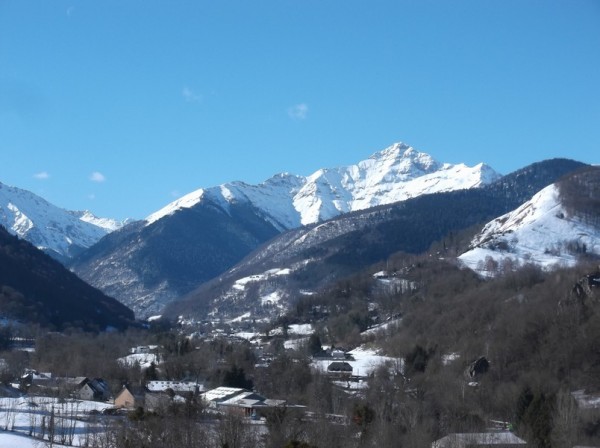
(108, 224)
(539, 232)
(268, 292)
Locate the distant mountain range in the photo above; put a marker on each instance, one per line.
(395, 174)
(238, 248)
(201, 235)
(301, 261)
(58, 232)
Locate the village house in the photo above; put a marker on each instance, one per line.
(80, 387)
(126, 399)
(160, 394)
(240, 401)
(94, 390)
(340, 369)
(32, 379)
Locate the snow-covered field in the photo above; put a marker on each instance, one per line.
(143, 359)
(17, 440)
(21, 421)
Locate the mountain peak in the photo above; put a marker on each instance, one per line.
(395, 151)
(404, 159)
(57, 231)
(398, 147)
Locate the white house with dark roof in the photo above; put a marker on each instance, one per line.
(240, 401)
(190, 387)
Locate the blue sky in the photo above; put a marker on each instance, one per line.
(120, 106)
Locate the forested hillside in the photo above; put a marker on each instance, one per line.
(536, 334)
(35, 288)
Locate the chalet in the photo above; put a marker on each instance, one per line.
(240, 401)
(340, 369)
(160, 394)
(69, 386)
(37, 383)
(128, 400)
(79, 387)
(93, 390)
(32, 378)
(503, 439)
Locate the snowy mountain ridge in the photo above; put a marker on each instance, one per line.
(306, 260)
(59, 232)
(540, 232)
(397, 173)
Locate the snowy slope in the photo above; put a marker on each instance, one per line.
(50, 228)
(394, 174)
(539, 232)
(364, 361)
(26, 414)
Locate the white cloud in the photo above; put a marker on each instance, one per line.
(298, 112)
(96, 176)
(190, 96)
(42, 175)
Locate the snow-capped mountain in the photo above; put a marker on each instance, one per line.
(60, 233)
(206, 232)
(542, 231)
(305, 260)
(108, 224)
(395, 174)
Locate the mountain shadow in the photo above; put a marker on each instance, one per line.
(35, 288)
